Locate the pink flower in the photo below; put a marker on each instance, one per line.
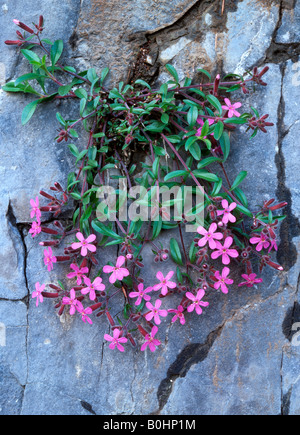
(227, 212)
(116, 340)
(35, 204)
(273, 245)
(178, 314)
(165, 283)
(49, 259)
(231, 108)
(197, 302)
(250, 280)
(91, 288)
(155, 312)
(85, 244)
(71, 301)
(209, 236)
(118, 273)
(78, 273)
(141, 294)
(151, 341)
(222, 280)
(84, 313)
(201, 122)
(35, 228)
(262, 240)
(38, 293)
(225, 251)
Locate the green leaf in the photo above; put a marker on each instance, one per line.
(26, 77)
(244, 210)
(239, 121)
(29, 111)
(32, 57)
(225, 145)
(103, 229)
(81, 93)
(64, 90)
(56, 51)
(218, 131)
(176, 174)
(242, 175)
(157, 227)
(206, 73)
(143, 83)
(206, 176)
(74, 150)
(173, 72)
(208, 161)
(195, 150)
(215, 103)
(192, 116)
(175, 252)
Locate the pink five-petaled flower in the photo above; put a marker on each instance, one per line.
(84, 313)
(225, 251)
(72, 301)
(209, 236)
(35, 204)
(201, 122)
(91, 288)
(155, 312)
(116, 340)
(178, 314)
(197, 302)
(49, 259)
(85, 244)
(38, 293)
(151, 341)
(165, 283)
(250, 280)
(141, 294)
(222, 280)
(228, 217)
(35, 228)
(262, 240)
(78, 273)
(118, 272)
(231, 108)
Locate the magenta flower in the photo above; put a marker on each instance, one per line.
(72, 301)
(225, 251)
(141, 294)
(35, 204)
(251, 280)
(85, 244)
(38, 293)
(201, 122)
(231, 108)
(227, 212)
(262, 241)
(118, 272)
(197, 302)
(151, 341)
(273, 245)
(49, 259)
(84, 313)
(178, 314)
(91, 288)
(35, 228)
(209, 236)
(155, 312)
(222, 280)
(165, 283)
(78, 273)
(116, 340)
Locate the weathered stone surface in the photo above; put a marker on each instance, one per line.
(289, 30)
(247, 354)
(250, 32)
(13, 356)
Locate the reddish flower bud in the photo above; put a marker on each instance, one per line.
(54, 287)
(49, 231)
(110, 319)
(63, 259)
(142, 331)
(50, 295)
(49, 243)
(18, 43)
(96, 307)
(24, 27)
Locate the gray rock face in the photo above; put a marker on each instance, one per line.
(289, 30)
(239, 357)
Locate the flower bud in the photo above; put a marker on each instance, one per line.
(24, 27)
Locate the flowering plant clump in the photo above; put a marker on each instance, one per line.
(184, 131)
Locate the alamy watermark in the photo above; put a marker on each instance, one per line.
(184, 204)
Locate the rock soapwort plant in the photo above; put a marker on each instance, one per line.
(184, 130)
